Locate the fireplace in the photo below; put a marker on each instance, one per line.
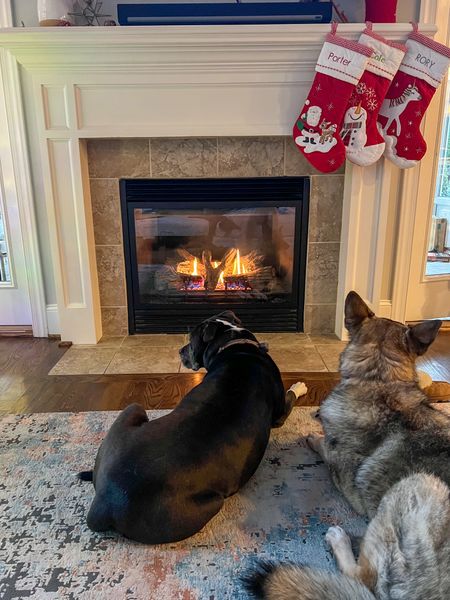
(194, 247)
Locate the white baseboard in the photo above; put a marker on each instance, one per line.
(385, 309)
(53, 319)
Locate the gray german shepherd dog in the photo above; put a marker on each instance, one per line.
(388, 451)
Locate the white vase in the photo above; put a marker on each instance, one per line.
(54, 12)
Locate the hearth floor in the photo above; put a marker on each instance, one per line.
(158, 353)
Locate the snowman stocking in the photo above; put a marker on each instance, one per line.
(360, 134)
(316, 132)
(420, 74)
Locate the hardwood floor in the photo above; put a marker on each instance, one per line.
(25, 385)
(436, 361)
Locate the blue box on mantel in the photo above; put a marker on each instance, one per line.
(239, 13)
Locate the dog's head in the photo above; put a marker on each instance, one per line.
(205, 333)
(380, 348)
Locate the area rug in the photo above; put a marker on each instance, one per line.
(48, 552)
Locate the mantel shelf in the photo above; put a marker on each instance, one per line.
(31, 37)
(134, 48)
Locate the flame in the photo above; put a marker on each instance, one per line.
(215, 265)
(240, 265)
(237, 263)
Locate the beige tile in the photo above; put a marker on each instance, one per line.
(106, 211)
(84, 361)
(111, 275)
(320, 318)
(119, 157)
(115, 320)
(145, 359)
(326, 338)
(330, 354)
(299, 358)
(325, 208)
(107, 341)
(251, 157)
(295, 161)
(286, 340)
(174, 340)
(297, 164)
(322, 273)
(184, 157)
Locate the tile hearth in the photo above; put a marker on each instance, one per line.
(158, 353)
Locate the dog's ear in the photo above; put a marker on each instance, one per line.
(228, 315)
(209, 331)
(419, 337)
(356, 310)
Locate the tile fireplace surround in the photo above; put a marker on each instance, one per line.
(104, 103)
(110, 159)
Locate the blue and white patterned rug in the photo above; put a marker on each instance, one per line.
(48, 552)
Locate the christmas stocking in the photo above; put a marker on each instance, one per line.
(359, 131)
(420, 74)
(339, 68)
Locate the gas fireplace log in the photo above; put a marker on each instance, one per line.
(212, 272)
(185, 254)
(261, 277)
(167, 279)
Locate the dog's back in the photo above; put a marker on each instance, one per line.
(405, 554)
(376, 434)
(378, 424)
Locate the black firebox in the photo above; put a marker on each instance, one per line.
(195, 247)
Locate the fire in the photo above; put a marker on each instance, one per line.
(216, 264)
(237, 263)
(233, 275)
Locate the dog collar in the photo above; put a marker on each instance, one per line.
(262, 346)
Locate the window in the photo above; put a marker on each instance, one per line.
(438, 258)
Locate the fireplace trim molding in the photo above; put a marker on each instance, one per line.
(126, 82)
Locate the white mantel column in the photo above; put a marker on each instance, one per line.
(71, 229)
(363, 235)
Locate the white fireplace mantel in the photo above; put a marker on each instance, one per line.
(162, 82)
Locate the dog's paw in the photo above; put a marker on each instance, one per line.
(298, 389)
(315, 441)
(336, 537)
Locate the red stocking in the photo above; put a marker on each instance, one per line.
(420, 74)
(381, 11)
(316, 132)
(365, 145)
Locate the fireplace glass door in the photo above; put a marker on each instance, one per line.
(199, 251)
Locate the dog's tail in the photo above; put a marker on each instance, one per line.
(86, 475)
(99, 515)
(270, 581)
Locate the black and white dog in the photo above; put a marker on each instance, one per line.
(161, 481)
